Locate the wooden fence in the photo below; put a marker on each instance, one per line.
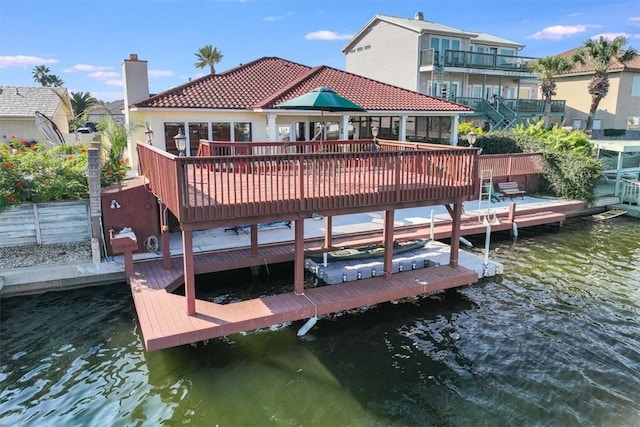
(45, 223)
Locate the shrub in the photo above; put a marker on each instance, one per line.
(570, 171)
(31, 173)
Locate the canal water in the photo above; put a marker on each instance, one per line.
(554, 341)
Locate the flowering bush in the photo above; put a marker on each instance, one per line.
(31, 173)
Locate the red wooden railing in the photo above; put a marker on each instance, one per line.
(341, 176)
(235, 183)
(507, 166)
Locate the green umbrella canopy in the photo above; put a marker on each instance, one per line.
(322, 99)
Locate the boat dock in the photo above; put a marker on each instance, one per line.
(213, 193)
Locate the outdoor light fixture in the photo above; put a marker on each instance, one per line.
(375, 146)
(115, 204)
(149, 134)
(181, 142)
(472, 137)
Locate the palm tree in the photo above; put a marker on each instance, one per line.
(602, 54)
(208, 56)
(81, 101)
(55, 81)
(41, 74)
(546, 68)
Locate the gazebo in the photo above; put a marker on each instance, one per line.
(621, 147)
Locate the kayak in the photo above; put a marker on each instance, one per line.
(365, 252)
(609, 214)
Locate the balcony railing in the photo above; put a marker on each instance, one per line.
(287, 180)
(521, 106)
(464, 59)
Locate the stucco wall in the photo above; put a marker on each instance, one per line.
(613, 110)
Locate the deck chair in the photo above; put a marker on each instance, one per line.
(496, 196)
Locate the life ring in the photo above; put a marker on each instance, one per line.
(152, 243)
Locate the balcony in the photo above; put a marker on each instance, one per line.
(463, 59)
(524, 107)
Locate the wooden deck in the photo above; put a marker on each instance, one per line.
(264, 182)
(165, 324)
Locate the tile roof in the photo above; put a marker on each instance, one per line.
(264, 83)
(16, 101)
(588, 67)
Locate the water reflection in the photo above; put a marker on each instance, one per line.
(555, 341)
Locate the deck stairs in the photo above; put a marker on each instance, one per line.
(499, 114)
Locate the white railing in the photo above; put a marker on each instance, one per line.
(630, 192)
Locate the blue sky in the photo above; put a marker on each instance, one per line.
(84, 42)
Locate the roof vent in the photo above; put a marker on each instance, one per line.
(419, 16)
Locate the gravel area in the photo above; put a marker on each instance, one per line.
(27, 256)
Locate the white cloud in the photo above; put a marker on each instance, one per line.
(327, 35)
(278, 17)
(557, 32)
(609, 36)
(24, 61)
(160, 73)
(104, 75)
(107, 96)
(114, 83)
(87, 68)
(634, 19)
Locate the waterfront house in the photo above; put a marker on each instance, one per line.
(239, 105)
(620, 109)
(463, 66)
(19, 104)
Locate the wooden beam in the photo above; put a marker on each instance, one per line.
(456, 217)
(164, 235)
(298, 262)
(254, 240)
(189, 274)
(328, 231)
(388, 237)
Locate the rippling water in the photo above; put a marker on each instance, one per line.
(554, 341)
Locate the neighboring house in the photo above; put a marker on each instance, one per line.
(620, 109)
(19, 104)
(463, 66)
(240, 105)
(113, 110)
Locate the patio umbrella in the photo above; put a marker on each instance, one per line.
(320, 99)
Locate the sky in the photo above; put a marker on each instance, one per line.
(84, 42)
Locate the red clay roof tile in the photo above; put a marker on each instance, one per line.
(264, 83)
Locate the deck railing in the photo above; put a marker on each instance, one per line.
(235, 182)
(509, 165)
(630, 192)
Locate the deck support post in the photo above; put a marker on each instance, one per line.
(189, 273)
(298, 263)
(254, 240)
(456, 216)
(164, 237)
(512, 212)
(387, 235)
(328, 231)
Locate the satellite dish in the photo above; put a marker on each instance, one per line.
(49, 129)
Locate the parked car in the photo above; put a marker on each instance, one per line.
(84, 130)
(91, 125)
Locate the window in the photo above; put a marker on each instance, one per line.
(221, 131)
(635, 86)
(197, 131)
(242, 132)
(170, 131)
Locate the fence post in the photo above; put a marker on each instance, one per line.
(95, 205)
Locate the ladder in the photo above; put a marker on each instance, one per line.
(484, 199)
